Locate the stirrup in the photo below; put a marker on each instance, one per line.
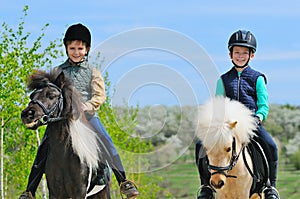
(272, 192)
(130, 186)
(26, 195)
(206, 189)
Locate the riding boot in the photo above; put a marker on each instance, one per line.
(118, 168)
(273, 173)
(127, 187)
(38, 168)
(271, 191)
(205, 191)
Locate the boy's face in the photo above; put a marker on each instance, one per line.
(240, 55)
(76, 51)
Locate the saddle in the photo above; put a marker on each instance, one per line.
(101, 181)
(260, 173)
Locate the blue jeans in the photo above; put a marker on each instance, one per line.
(98, 126)
(110, 152)
(267, 143)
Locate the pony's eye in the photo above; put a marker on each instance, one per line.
(228, 149)
(51, 96)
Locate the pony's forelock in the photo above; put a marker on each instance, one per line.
(38, 79)
(215, 117)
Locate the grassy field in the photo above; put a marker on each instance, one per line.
(182, 181)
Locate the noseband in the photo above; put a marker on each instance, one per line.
(49, 113)
(233, 162)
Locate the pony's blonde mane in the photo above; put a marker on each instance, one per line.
(85, 143)
(216, 122)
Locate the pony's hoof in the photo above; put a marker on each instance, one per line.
(26, 195)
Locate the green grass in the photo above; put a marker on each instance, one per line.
(289, 184)
(181, 179)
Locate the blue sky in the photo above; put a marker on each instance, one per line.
(176, 79)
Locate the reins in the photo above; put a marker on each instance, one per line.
(233, 162)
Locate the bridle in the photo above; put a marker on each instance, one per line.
(233, 162)
(49, 116)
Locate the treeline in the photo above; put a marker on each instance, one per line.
(162, 124)
(135, 130)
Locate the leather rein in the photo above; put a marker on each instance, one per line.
(233, 161)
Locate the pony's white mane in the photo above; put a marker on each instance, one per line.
(215, 118)
(85, 143)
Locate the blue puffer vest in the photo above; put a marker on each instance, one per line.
(243, 88)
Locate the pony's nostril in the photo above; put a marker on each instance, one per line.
(31, 114)
(221, 183)
(28, 113)
(213, 184)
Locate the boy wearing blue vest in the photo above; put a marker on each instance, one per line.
(248, 86)
(89, 82)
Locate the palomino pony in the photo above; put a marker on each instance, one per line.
(225, 128)
(73, 166)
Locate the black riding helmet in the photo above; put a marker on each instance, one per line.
(78, 32)
(242, 38)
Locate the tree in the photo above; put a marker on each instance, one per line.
(18, 58)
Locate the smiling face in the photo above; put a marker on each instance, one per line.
(240, 55)
(76, 50)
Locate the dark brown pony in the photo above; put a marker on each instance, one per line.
(73, 166)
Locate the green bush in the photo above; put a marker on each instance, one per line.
(295, 160)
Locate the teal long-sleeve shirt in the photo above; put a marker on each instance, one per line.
(261, 92)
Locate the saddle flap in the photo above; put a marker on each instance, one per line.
(260, 167)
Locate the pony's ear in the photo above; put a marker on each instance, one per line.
(232, 124)
(60, 80)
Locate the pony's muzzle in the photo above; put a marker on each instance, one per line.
(218, 185)
(28, 113)
(217, 181)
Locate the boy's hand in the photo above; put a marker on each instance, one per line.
(84, 107)
(257, 120)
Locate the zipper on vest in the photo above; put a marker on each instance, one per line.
(238, 88)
